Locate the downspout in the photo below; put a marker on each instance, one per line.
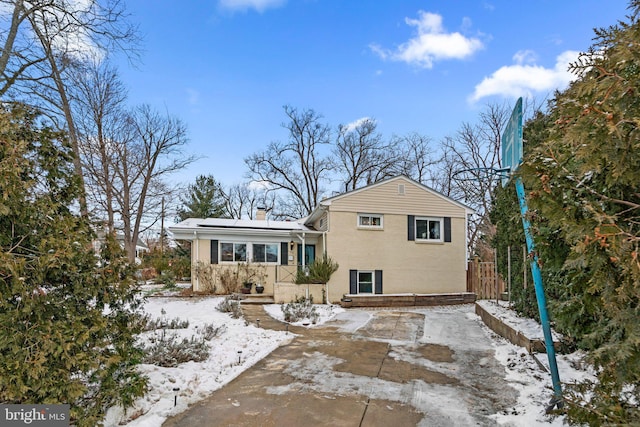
(195, 242)
(326, 253)
(303, 261)
(466, 241)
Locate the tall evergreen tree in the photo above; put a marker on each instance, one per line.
(584, 180)
(67, 321)
(204, 199)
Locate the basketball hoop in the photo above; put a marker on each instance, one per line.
(480, 174)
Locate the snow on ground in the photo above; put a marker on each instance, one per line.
(225, 363)
(529, 327)
(222, 366)
(524, 373)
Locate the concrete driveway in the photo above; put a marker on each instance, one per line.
(418, 367)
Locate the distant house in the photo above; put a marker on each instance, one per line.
(396, 236)
(141, 247)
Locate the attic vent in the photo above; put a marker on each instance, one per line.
(400, 188)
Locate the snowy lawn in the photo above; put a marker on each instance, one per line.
(196, 381)
(240, 345)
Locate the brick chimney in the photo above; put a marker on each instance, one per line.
(261, 214)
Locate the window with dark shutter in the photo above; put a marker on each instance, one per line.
(378, 283)
(411, 230)
(214, 252)
(447, 229)
(353, 281)
(284, 253)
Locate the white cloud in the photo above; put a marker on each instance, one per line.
(524, 78)
(525, 57)
(243, 5)
(350, 127)
(431, 43)
(259, 185)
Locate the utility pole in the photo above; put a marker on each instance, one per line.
(162, 230)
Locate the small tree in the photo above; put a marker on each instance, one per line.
(319, 271)
(204, 199)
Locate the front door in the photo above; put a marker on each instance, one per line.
(309, 254)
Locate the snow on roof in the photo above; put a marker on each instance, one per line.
(242, 223)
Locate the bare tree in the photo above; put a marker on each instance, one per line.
(242, 200)
(476, 149)
(99, 103)
(441, 177)
(296, 169)
(416, 159)
(44, 39)
(362, 157)
(147, 149)
(151, 151)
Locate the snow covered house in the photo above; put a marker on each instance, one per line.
(395, 237)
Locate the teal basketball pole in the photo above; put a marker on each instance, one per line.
(512, 157)
(542, 301)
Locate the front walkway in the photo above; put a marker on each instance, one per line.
(366, 368)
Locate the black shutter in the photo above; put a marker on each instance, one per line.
(284, 253)
(353, 281)
(214, 252)
(411, 227)
(447, 228)
(378, 284)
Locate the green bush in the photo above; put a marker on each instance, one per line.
(319, 271)
(167, 350)
(69, 320)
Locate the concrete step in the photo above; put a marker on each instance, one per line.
(257, 299)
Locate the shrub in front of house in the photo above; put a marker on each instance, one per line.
(167, 349)
(300, 309)
(231, 305)
(319, 271)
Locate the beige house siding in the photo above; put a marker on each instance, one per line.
(201, 251)
(385, 198)
(408, 266)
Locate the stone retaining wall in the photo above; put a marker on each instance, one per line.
(533, 345)
(407, 300)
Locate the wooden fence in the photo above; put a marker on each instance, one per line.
(483, 280)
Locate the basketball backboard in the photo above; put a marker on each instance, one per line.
(512, 142)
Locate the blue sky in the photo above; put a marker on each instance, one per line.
(227, 67)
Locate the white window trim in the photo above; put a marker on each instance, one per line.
(277, 261)
(371, 227)
(427, 239)
(373, 282)
(248, 252)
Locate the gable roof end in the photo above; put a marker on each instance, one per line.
(325, 203)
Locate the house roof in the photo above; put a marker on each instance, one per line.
(186, 228)
(325, 203)
(253, 224)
